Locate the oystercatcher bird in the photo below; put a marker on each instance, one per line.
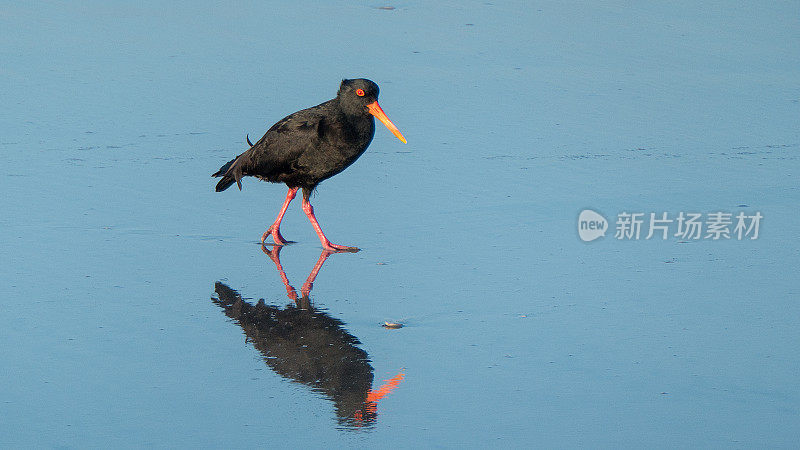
(309, 146)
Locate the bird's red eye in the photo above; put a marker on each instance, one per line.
(360, 92)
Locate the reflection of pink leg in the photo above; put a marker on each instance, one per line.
(309, 284)
(275, 228)
(326, 244)
(275, 256)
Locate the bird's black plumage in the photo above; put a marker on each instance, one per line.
(311, 145)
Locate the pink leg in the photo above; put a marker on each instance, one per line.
(275, 228)
(326, 244)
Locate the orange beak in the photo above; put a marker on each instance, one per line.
(375, 109)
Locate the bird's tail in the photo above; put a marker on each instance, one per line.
(230, 173)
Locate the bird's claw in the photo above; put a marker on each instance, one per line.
(335, 248)
(276, 236)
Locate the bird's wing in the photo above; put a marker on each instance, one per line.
(283, 145)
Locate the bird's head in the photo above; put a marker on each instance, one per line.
(361, 95)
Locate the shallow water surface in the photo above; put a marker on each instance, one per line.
(140, 308)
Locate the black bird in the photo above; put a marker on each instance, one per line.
(309, 146)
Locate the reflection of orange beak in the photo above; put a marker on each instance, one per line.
(371, 403)
(374, 396)
(375, 110)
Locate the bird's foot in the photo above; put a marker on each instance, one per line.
(335, 248)
(276, 235)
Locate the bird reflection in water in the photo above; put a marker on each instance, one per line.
(309, 346)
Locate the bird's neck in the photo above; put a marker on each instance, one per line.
(357, 117)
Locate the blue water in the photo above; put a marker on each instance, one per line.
(516, 333)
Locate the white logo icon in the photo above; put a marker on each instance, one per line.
(591, 225)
